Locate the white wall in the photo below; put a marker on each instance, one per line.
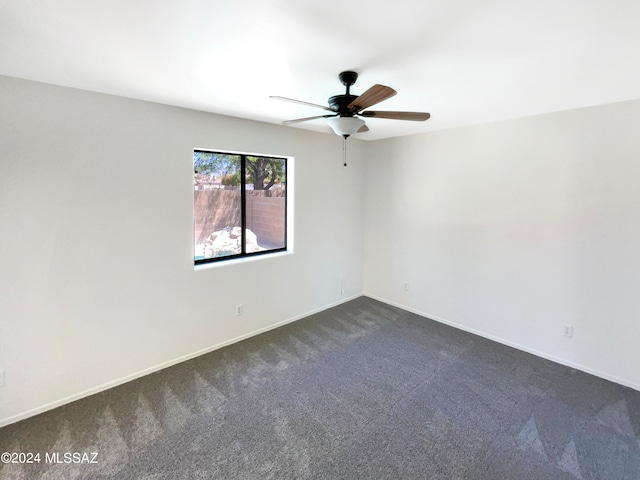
(97, 282)
(511, 229)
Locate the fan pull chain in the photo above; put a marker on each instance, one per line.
(344, 150)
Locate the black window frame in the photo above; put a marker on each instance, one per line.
(243, 208)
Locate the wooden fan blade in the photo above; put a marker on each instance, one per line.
(375, 94)
(414, 116)
(301, 102)
(298, 120)
(363, 129)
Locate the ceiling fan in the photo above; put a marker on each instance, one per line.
(346, 109)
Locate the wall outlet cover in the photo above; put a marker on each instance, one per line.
(567, 330)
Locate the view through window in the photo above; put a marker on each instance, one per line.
(240, 205)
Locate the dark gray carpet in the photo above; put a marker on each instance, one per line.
(363, 390)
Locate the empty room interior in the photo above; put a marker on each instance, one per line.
(447, 282)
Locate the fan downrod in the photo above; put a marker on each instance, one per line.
(339, 102)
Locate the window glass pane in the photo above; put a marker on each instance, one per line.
(266, 203)
(217, 205)
(238, 215)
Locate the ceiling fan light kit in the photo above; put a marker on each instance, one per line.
(343, 120)
(345, 126)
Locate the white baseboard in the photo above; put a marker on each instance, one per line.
(114, 383)
(524, 348)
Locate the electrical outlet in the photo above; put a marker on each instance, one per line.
(567, 330)
(239, 310)
(1, 378)
(406, 286)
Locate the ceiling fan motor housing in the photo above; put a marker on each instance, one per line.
(339, 103)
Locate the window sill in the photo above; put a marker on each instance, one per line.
(237, 261)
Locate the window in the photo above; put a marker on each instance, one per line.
(240, 205)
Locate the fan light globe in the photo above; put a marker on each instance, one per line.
(345, 126)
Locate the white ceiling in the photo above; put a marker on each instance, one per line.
(465, 61)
